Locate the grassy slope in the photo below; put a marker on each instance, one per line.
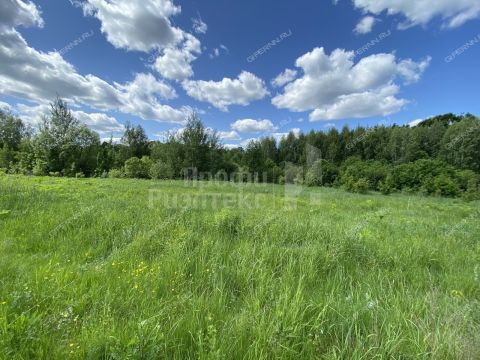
(88, 270)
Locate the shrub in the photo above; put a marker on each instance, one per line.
(40, 168)
(361, 186)
(321, 173)
(116, 174)
(386, 186)
(445, 186)
(138, 168)
(160, 170)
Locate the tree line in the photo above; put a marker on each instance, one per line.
(439, 156)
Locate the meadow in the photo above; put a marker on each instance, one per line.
(103, 269)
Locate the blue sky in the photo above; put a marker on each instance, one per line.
(151, 62)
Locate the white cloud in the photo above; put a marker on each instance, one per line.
(99, 122)
(221, 94)
(361, 105)
(199, 26)
(284, 78)
(142, 25)
(231, 146)
(14, 13)
(228, 135)
(175, 63)
(5, 107)
(411, 70)
(420, 12)
(279, 136)
(107, 139)
(37, 76)
(365, 25)
(333, 87)
(252, 126)
(217, 51)
(415, 122)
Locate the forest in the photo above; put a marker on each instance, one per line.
(440, 156)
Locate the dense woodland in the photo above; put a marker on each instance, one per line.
(440, 156)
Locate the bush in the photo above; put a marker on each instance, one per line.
(116, 174)
(354, 170)
(386, 187)
(40, 168)
(138, 168)
(445, 186)
(161, 171)
(361, 186)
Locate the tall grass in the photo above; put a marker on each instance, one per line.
(89, 270)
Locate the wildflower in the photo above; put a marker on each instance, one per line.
(457, 294)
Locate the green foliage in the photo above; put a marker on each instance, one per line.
(160, 170)
(138, 168)
(441, 156)
(64, 144)
(116, 174)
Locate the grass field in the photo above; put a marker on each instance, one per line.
(101, 269)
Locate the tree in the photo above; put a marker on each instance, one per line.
(65, 145)
(136, 139)
(199, 145)
(12, 131)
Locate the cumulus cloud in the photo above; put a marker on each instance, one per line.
(284, 78)
(333, 87)
(252, 126)
(365, 25)
(228, 135)
(453, 12)
(99, 122)
(175, 63)
(14, 13)
(142, 25)
(221, 94)
(38, 76)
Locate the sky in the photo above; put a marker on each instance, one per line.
(248, 69)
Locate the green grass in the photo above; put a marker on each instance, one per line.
(99, 269)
